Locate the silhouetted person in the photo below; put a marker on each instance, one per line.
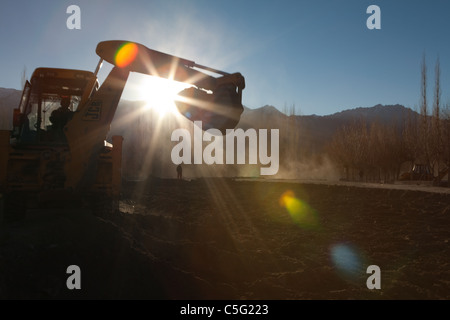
(179, 172)
(60, 117)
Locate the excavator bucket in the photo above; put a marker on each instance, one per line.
(221, 109)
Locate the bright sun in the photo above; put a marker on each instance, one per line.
(160, 94)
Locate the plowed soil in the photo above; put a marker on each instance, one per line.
(227, 239)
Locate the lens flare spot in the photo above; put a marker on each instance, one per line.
(126, 54)
(347, 260)
(300, 212)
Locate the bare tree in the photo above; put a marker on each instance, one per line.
(424, 125)
(436, 134)
(293, 149)
(410, 136)
(350, 148)
(387, 151)
(374, 153)
(446, 139)
(338, 150)
(360, 150)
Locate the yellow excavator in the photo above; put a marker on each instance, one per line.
(57, 147)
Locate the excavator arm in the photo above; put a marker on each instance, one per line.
(217, 102)
(138, 58)
(214, 101)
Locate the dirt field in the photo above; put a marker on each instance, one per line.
(226, 239)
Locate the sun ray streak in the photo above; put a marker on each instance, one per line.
(235, 217)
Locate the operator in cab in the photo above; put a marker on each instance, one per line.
(60, 117)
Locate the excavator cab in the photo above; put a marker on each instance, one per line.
(37, 150)
(48, 103)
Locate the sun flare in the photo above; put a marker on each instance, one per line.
(160, 94)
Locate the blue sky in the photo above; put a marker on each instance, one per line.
(317, 55)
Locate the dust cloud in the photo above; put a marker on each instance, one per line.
(311, 169)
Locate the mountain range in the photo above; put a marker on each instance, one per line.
(266, 116)
(309, 133)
